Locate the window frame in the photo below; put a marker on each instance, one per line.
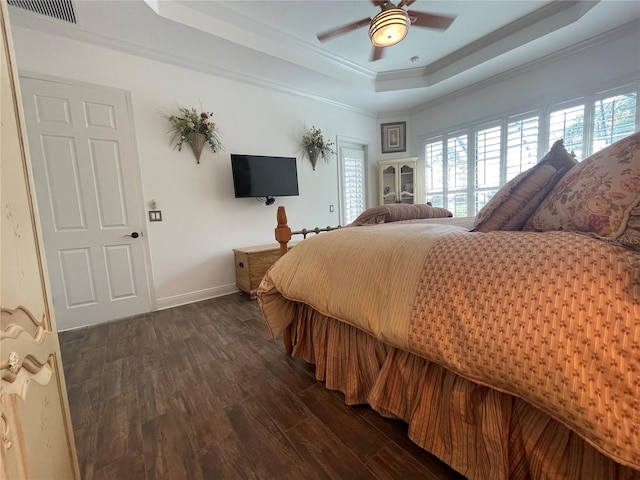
(352, 144)
(592, 99)
(537, 113)
(543, 115)
(473, 189)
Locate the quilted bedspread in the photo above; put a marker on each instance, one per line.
(552, 318)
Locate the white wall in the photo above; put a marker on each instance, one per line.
(607, 62)
(612, 61)
(191, 249)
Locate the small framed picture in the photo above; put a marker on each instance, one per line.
(394, 137)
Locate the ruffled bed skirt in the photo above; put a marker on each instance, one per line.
(481, 433)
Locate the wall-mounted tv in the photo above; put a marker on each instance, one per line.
(263, 176)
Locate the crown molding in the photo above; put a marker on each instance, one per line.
(565, 53)
(538, 23)
(243, 30)
(550, 17)
(75, 32)
(78, 34)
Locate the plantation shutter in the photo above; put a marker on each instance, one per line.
(434, 173)
(353, 184)
(457, 175)
(568, 124)
(613, 119)
(522, 146)
(487, 165)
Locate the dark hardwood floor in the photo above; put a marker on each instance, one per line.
(202, 392)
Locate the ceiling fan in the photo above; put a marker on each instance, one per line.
(390, 25)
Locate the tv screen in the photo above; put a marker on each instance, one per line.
(262, 176)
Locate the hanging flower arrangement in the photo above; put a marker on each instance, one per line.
(314, 145)
(194, 128)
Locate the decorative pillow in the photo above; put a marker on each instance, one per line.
(601, 195)
(399, 211)
(517, 199)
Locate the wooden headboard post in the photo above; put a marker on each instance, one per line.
(283, 232)
(283, 235)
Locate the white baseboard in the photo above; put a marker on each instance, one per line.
(191, 297)
(174, 301)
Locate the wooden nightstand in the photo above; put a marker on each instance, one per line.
(251, 265)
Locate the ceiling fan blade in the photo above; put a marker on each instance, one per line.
(405, 3)
(334, 32)
(430, 20)
(377, 53)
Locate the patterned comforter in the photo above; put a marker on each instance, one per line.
(552, 318)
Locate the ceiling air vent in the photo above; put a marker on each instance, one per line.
(60, 9)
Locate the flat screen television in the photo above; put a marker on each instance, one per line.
(263, 176)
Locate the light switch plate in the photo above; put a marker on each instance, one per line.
(155, 215)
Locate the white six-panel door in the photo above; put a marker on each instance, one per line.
(81, 147)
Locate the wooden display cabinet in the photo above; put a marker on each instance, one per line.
(397, 180)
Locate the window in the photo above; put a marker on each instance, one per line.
(568, 124)
(434, 173)
(522, 145)
(613, 119)
(487, 165)
(352, 183)
(446, 171)
(464, 170)
(457, 174)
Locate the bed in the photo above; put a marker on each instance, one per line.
(509, 344)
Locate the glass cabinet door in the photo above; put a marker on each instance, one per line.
(397, 180)
(389, 185)
(407, 184)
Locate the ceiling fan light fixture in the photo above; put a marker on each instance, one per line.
(389, 27)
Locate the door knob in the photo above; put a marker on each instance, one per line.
(133, 235)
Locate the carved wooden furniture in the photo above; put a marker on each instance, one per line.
(397, 180)
(36, 438)
(284, 233)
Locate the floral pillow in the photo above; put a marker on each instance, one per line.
(516, 200)
(601, 195)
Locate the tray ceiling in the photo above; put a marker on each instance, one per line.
(273, 43)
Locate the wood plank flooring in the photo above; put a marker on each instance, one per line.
(202, 392)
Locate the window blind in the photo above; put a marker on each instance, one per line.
(464, 177)
(353, 184)
(613, 119)
(488, 152)
(522, 146)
